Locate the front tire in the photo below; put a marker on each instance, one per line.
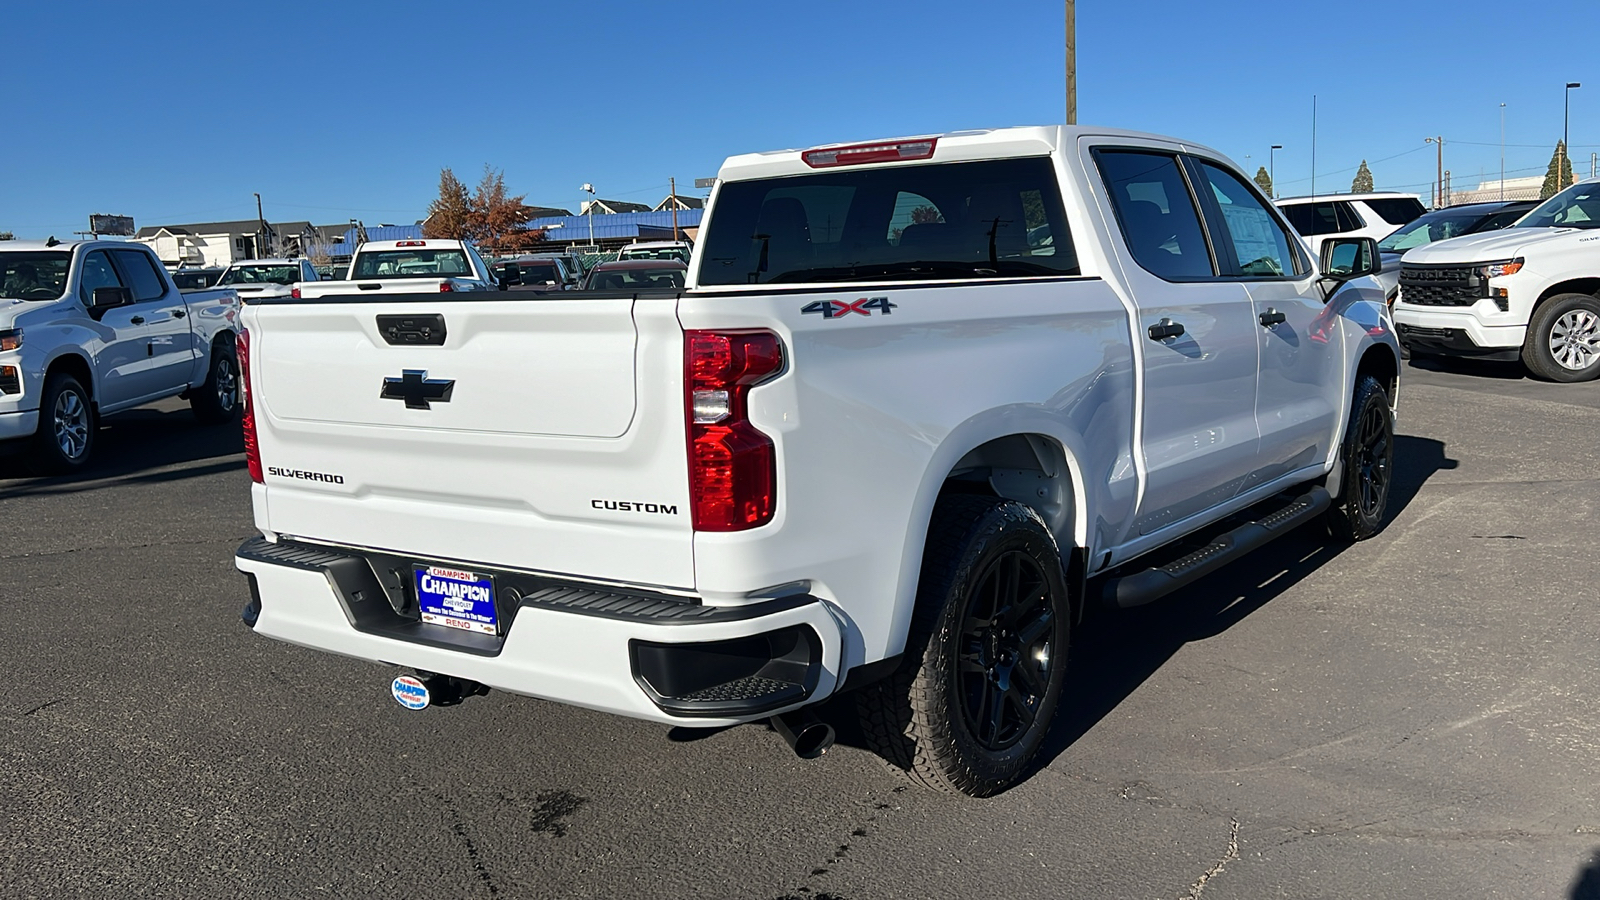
(1563, 342)
(65, 438)
(986, 655)
(1362, 506)
(217, 401)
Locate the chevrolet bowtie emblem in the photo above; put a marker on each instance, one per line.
(417, 389)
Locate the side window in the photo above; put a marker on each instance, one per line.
(141, 275)
(912, 209)
(1259, 243)
(1502, 220)
(1157, 214)
(97, 273)
(1347, 217)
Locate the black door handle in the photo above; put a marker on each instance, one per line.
(178, 314)
(1164, 329)
(1272, 317)
(137, 320)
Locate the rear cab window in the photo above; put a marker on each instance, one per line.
(939, 221)
(409, 263)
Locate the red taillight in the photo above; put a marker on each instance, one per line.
(411, 243)
(252, 449)
(869, 153)
(295, 292)
(733, 468)
(446, 287)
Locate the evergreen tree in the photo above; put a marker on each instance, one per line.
(1363, 180)
(449, 216)
(1554, 183)
(1263, 180)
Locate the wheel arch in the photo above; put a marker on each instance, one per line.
(1590, 286)
(78, 367)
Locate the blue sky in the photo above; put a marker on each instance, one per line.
(175, 113)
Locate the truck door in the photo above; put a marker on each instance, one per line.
(1298, 392)
(123, 358)
(170, 352)
(1199, 347)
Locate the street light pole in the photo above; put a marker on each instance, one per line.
(1502, 151)
(1566, 154)
(1272, 169)
(1438, 184)
(589, 189)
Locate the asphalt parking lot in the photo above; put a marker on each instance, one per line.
(1413, 716)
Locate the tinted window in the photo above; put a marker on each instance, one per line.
(1396, 210)
(946, 221)
(1502, 219)
(1258, 242)
(411, 264)
(1349, 219)
(138, 268)
(629, 279)
(97, 273)
(34, 276)
(1312, 219)
(1156, 213)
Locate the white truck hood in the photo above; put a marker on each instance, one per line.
(1490, 246)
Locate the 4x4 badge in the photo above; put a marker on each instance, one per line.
(833, 309)
(417, 389)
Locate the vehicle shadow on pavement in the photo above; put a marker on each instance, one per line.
(132, 446)
(1586, 886)
(1505, 371)
(1115, 651)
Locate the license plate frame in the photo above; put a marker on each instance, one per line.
(461, 599)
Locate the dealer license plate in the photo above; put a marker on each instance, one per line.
(456, 598)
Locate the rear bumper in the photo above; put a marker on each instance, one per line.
(1456, 334)
(654, 657)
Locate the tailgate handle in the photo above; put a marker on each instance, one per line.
(412, 330)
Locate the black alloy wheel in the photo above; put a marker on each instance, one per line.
(1367, 456)
(1005, 657)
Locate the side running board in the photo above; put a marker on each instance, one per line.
(1154, 583)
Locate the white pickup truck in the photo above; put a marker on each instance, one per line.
(888, 439)
(433, 266)
(258, 279)
(1529, 292)
(92, 327)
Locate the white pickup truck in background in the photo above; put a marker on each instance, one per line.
(88, 328)
(431, 266)
(258, 279)
(921, 403)
(1529, 292)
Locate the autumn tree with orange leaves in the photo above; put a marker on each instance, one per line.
(487, 217)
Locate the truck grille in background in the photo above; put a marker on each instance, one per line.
(1440, 286)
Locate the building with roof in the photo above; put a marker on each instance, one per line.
(610, 207)
(681, 202)
(216, 244)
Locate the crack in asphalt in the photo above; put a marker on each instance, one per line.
(460, 829)
(1205, 877)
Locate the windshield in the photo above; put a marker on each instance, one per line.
(1576, 207)
(261, 275)
(411, 264)
(633, 279)
(1436, 227)
(34, 276)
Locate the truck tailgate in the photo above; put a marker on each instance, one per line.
(542, 434)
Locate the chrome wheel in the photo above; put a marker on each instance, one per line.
(1575, 339)
(71, 422)
(1005, 656)
(227, 384)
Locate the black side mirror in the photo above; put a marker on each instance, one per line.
(1347, 258)
(105, 298)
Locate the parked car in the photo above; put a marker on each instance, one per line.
(547, 272)
(679, 250)
(634, 274)
(860, 453)
(257, 279)
(1440, 225)
(1526, 292)
(88, 328)
(195, 279)
(1373, 215)
(436, 266)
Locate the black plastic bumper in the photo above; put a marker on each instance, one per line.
(1451, 342)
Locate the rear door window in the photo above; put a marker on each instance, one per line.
(894, 223)
(1347, 217)
(1156, 213)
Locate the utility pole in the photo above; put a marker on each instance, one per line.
(672, 185)
(1313, 146)
(1502, 151)
(1272, 169)
(1438, 184)
(1444, 188)
(261, 226)
(1566, 111)
(1072, 63)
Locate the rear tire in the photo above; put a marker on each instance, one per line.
(1362, 507)
(217, 401)
(1563, 342)
(986, 655)
(64, 440)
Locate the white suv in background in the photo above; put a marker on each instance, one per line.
(1324, 216)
